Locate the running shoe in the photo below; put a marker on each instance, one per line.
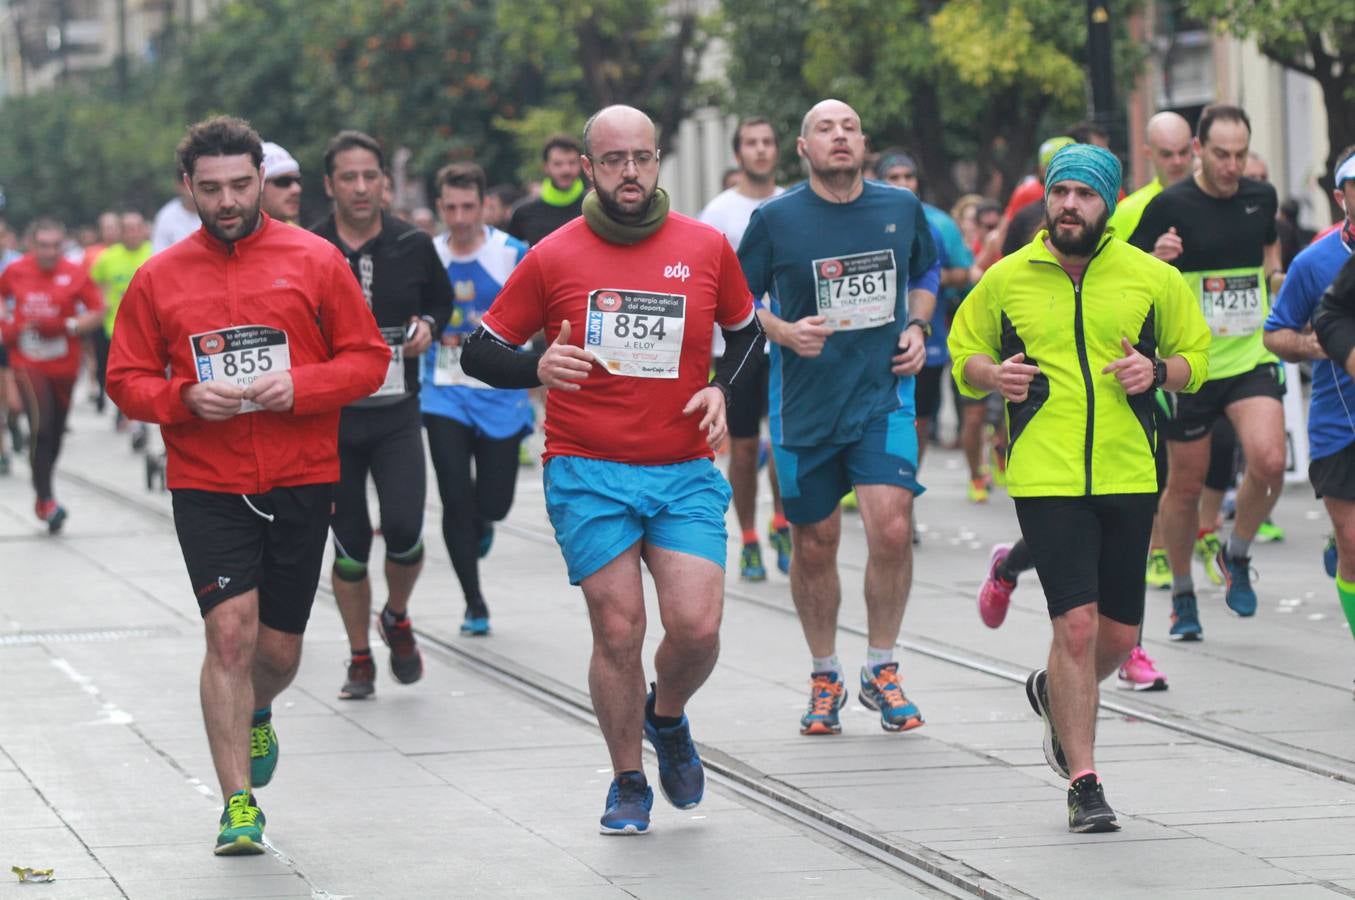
(406, 661)
(995, 594)
(241, 831)
(750, 563)
(978, 490)
(827, 694)
(475, 626)
(1329, 556)
(1240, 597)
(1185, 618)
(51, 512)
(1269, 533)
(681, 775)
(1159, 573)
(849, 500)
(1207, 550)
(1088, 810)
(779, 538)
(629, 801)
(997, 467)
(263, 753)
(1037, 692)
(5, 463)
(764, 452)
(486, 539)
(361, 682)
(1139, 673)
(881, 691)
(524, 456)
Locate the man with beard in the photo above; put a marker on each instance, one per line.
(852, 273)
(756, 152)
(629, 296)
(1075, 330)
(561, 193)
(408, 293)
(243, 341)
(1218, 229)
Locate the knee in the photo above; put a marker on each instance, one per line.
(813, 550)
(893, 539)
(1075, 630)
(279, 663)
(699, 631)
(619, 633)
(230, 641)
(1268, 466)
(411, 557)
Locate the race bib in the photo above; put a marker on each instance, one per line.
(42, 349)
(447, 371)
(636, 333)
(857, 291)
(240, 355)
(1233, 301)
(395, 374)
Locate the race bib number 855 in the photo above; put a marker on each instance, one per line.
(636, 333)
(240, 355)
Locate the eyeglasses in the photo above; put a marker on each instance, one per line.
(616, 162)
(285, 181)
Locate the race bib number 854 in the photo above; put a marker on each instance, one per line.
(240, 355)
(636, 333)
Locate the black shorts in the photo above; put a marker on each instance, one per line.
(748, 399)
(1193, 415)
(1334, 476)
(927, 391)
(1222, 471)
(233, 543)
(4, 357)
(1090, 550)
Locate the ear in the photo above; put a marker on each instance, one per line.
(587, 165)
(800, 146)
(329, 188)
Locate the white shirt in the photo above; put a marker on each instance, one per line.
(730, 211)
(173, 223)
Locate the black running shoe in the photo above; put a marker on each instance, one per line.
(1037, 692)
(361, 682)
(1088, 810)
(406, 661)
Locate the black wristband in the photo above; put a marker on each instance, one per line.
(923, 324)
(1159, 373)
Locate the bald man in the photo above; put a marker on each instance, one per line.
(853, 273)
(1168, 144)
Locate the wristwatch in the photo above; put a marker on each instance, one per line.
(1159, 373)
(923, 324)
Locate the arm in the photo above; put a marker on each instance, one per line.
(1334, 320)
(1183, 337)
(1288, 328)
(93, 316)
(486, 356)
(1272, 262)
(137, 359)
(435, 306)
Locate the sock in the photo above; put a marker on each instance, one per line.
(263, 715)
(780, 522)
(1182, 584)
(1346, 591)
(1018, 560)
(749, 536)
(1091, 772)
(1202, 532)
(393, 617)
(877, 657)
(364, 653)
(1238, 548)
(476, 608)
(829, 664)
(657, 720)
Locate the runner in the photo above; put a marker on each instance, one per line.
(1218, 228)
(631, 423)
(251, 456)
(112, 272)
(1078, 397)
(561, 193)
(282, 184)
(407, 290)
(52, 304)
(852, 273)
(755, 150)
(467, 421)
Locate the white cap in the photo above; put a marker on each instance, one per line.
(1345, 172)
(277, 161)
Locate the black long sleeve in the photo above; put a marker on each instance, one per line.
(1334, 318)
(497, 363)
(742, 347)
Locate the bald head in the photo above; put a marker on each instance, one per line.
(1168, 141)
(617, 119)
(829, 108)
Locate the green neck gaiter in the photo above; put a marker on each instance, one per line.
(607, 228)
(556, 197)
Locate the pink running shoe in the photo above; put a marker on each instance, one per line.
(996, 593)
(1139, 673)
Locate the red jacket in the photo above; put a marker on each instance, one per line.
(279, 277)
(43, 301)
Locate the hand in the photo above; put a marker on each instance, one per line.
(563, 364)
(806, 337)
(423, 338)
(49, 328)
(1311, 348)
(214, 401)
(1014, 377)
(712, 400)
(274, 391)
(1168, 246)
(912, 352)
(1134, 370)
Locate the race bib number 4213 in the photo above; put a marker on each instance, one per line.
(636, 333)
(240, 355)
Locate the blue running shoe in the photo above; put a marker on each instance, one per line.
(880, 691)
(764, 451)
(263, 753)
(628, 804)
(475, 626)
(1240, 597)
(1185, 619)
(750, 563)
(780, 541)
(681, 775)
(1329, 556)
(827, 694)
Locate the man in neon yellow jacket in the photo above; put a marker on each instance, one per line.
(1075, 331)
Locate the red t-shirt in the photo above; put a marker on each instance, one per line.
(1027, 192)
(43, 301)
(627, 304)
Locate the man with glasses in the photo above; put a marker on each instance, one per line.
(629, 297)
(282, 184)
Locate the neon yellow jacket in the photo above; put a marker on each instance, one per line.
(1077, 432)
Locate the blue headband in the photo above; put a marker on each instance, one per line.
(1094, 166)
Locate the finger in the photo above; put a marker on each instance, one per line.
(815, 320)
(1016, 358)
(1028, 371)
(1172, 231)
(708, 420)
(1128, 347)
(1116, 365)
(563, 336)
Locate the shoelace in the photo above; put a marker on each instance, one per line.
(678, 743)
(240, 812)
(887, 683)
(627, 791)
(825, 696)
(258, 742)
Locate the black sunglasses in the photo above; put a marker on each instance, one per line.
(285, 181)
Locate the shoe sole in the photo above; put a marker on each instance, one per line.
(820, 728)
(753, 577)
(907, 724)
(623, 831)
(992, 558)
(395, 672)
(1124, 684)
(359, 694)
(241, 846)
(55, 523)
(1098, 826)
(1032, 695)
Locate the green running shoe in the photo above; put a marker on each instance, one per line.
(750, 563)
(1207, 550)
(241, 827)
(1268, 532)
(263, 753)
(1159, 574)
(780, 541)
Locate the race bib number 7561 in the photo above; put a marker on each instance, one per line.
(636, 333)
(240, 355)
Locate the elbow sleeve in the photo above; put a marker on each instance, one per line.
(496, 363)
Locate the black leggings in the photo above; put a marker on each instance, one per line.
(47, 401)
(386, 442)
(470, 502)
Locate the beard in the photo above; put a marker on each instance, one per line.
(1081, 242)
(628, 212)
(249, 220)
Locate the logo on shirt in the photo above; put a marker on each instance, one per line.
(211, 343)
(281, 283)
(677, 270)
(608, 301)
(62, 279)
(891, 228)
(1252, 209)
(830, 268)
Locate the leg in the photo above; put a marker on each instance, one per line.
(691, 601)
(1259, 422)
(276, 658)
(971, 437)
(400, 476)
(449, 444)
(616, 678)
(227, 689)
(40, 405)
(1342, 513)
(743, 479)
(352, 538)
(885, 513)
(814, 584)
(1178, 509)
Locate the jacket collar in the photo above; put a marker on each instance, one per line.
(216, 245)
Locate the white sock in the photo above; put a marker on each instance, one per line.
(877, 657)
(829, 664)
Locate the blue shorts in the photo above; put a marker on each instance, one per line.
(599, 509)
(814, 479)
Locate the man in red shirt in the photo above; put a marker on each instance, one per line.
(53, 303)
(243, 341)
(629, 294)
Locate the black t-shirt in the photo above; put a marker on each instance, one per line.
(1215, 234)
(535, 219)
(401, 277)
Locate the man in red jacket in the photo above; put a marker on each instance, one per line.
(243, 341)
(53, 304)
